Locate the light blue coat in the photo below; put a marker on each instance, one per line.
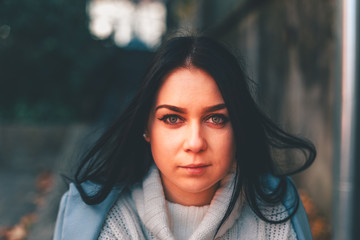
(77, 220)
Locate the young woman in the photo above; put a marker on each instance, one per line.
(190, 158)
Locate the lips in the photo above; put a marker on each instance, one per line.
(195, 168)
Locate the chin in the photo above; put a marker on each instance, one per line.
(198, 187)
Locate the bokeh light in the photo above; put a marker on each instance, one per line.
(126, 21)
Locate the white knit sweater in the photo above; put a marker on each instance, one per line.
(142, 213)
(184, 220)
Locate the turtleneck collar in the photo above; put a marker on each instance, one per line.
(151, 206)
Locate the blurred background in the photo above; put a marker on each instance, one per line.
(68, 68)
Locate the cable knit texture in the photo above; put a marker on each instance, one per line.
(185, 219)
(143, 213)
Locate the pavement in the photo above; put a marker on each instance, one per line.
(31, 161)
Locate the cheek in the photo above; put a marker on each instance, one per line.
(223, 143)
(225, 152)
(164, 142)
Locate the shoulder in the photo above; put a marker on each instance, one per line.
(76, 219)
(299, 221)
(122, 220)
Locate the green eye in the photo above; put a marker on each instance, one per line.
(216, 119)
(172, 119)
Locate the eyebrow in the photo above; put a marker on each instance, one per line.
(172, 108)
(182, 110)
(215, 108)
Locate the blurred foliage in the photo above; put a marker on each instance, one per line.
(48, 62)
(44, 184)
(319, 225)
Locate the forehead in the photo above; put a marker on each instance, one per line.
(189, 86)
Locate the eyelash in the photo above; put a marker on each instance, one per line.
(166, 118)
(222, 117)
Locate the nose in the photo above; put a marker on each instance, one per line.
(195, 141)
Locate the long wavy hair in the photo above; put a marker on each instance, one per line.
(122, 157)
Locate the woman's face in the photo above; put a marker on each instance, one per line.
(191, 137)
